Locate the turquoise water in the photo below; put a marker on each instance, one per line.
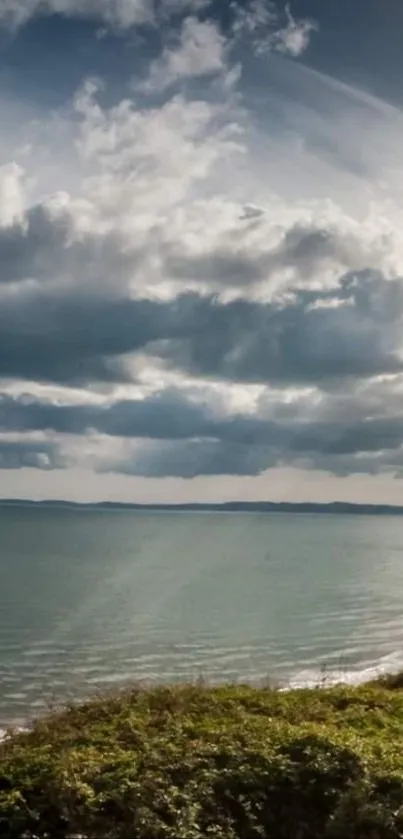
(91, 599)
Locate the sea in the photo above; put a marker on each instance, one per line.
(98, 599)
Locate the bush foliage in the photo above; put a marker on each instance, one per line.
(231, 762)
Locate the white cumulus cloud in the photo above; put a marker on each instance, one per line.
(200, 51)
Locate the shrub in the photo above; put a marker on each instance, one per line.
(189, 762)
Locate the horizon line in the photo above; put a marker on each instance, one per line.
(231, 505)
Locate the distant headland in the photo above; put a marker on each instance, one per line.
(334, 508)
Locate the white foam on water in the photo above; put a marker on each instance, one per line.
(328, 677)
(308, 677)
(4, 732)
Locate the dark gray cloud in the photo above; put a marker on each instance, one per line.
(26, 454)
(73, 338)
(251, 212)
(165, 415)
(373, 448)
(172, 415)
(32, 248)
(222, 268)
(352, 330)
(187, 459)
(183, 438)
(44, 246)
(304, 247)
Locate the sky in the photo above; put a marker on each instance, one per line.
(201, 250)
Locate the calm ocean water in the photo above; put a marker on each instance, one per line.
(91, 599)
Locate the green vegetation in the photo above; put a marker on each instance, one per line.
(193, 761)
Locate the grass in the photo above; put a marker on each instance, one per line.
(193, 761)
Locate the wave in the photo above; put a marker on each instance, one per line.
(287, 678)
(328, 677)
(5, 732)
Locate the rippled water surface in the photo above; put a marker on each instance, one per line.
(95, 598)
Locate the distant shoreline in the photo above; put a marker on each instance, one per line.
(334, 508)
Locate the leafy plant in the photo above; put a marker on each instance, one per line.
(190, 762)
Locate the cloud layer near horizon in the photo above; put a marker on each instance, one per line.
(208, 278)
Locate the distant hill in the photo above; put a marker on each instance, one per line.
(335, 508)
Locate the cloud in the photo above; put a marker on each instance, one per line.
(251, 212)
(11, 193)
(253, 17)
(46, 244)
(294, 38)
(189, 459)
(193, 458)
(316, 336)
(133, 263)
(19, 454)
(308, 423)
(73, 339)
(201, 47)
(207, 325)
(74, 334)
(184, 432)
(270, 255)
(146, 161)
(168, 414)
(261, 22)
(117, 13)
(200, 51)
